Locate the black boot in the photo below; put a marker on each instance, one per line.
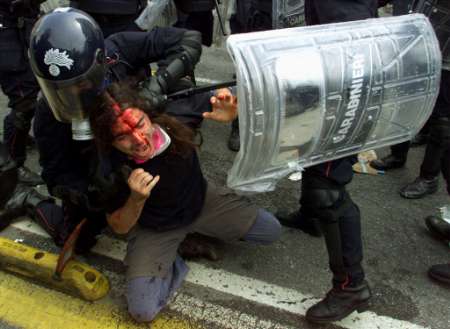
(420, 188)
(196, 245)
(23, 202)
(27, 177)
(296, 220)
(234, 143)
(388, 162)
(438, 227)
(7, 216)
(339, 303)
(440, 273)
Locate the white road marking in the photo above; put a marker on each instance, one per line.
(244, 287)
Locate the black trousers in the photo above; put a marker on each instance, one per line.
(437, 152)
(19, 85)
(340, 220)
(201, 21)
(59, 222)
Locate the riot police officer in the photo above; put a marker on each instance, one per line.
(437, 153)
(16, 79)
(326, 206)
(250, 16)
(71, 75)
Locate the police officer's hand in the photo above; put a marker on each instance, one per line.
(152, 92)
(141, 184)
(224, 106)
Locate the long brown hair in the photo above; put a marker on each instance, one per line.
(124, 96)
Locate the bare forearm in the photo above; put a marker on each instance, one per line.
(123, 219)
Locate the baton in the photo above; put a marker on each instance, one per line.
(198, 90)
(219, 17)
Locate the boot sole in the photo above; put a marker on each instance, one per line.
(412, 197)
(442, 280)
(387, 168)
(364, 306)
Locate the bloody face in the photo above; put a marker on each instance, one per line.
(134, 134)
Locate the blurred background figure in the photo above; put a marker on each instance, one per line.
(112, 15)
(17, 81)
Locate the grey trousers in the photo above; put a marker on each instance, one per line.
(147, 295)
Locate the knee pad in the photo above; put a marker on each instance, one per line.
(326, 204)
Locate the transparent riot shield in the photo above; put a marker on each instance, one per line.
(312, 94)
(288, 13)
(438, 11)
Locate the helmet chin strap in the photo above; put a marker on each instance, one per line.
(81, 130)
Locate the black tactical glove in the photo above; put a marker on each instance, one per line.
(152, 91)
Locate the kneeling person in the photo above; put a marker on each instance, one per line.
(166, 196)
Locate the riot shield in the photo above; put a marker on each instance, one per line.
(288, 13)
(312, 94)
(438, 11)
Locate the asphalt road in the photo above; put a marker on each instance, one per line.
(397, 248)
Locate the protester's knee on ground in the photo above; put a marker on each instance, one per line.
(265, 230)
(140, 314)
(144, 306)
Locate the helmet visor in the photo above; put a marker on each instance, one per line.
(71, 99)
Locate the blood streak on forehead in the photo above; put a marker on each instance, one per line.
(126, 120)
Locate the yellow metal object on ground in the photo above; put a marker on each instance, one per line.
(29, 306)
(77, 279)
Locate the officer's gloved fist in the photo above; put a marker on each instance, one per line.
(151, 90)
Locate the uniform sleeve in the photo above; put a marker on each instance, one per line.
(53, 138)
(139, 49)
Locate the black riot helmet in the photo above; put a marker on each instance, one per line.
(8, 175)
(67, 55)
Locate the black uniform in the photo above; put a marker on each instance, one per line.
(251, 16)
(70, 167)
(197, 15)
(437, 153)
(323, 189)
(16, 78)
(112, 15)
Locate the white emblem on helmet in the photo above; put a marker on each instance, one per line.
(55, 58)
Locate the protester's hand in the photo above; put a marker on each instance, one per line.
(141, 184)
(224, 106)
